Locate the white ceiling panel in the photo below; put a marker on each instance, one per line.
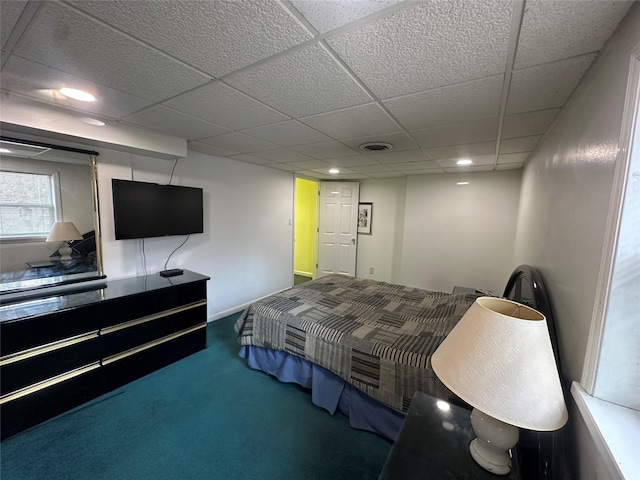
(463, 151)
(423, 165)
(215, 37)
(399, 157)
(277, 81)
(210, 149)
(325, 150)
(479, 168)
(343, 124)
(82, 47)
(222, 105)
(560, 29)
(286, 82)
(355, 161)
(43, 83)
(513, 158)
(520, 144)
(546, 86)
(462, 133)
(239, 143)
(428, 45)
(9, 15)
(282, 155)
(449, 105)
(510, 166)
(311, 164)
(531, 123)
(175, 123)
(287, 134)
(326, 16)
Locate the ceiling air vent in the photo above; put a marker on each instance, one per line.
(376, 147)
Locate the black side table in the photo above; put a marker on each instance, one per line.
(434, 443)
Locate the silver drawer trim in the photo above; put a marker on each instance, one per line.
(150, 318)
(49, 347)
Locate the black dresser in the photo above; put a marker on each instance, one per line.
(61, 351)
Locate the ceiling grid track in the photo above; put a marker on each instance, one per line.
(516, 23)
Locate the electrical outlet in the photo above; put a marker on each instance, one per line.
(371, 270)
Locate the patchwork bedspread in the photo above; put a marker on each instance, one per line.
(377, 336)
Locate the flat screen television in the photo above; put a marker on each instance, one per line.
(142, 210)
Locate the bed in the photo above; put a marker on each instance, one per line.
(363, 347)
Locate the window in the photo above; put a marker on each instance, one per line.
(27, 204)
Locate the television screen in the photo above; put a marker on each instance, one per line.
(142, 210)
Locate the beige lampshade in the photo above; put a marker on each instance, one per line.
(499, 359)
(63, 232)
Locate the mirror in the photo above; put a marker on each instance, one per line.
(41, 184)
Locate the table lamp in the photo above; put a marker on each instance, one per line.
(499, 359)
(64, 232)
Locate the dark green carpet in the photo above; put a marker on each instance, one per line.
(208, 417)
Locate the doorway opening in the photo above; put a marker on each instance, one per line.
(305, 230)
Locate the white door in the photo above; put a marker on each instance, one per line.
(338, 228)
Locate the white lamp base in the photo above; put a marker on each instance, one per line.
(65, 253)
(491, 449)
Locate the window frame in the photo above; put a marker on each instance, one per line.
(9, 164)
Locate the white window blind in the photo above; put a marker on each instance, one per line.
(27, 204)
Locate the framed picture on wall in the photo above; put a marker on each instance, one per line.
(365, 212)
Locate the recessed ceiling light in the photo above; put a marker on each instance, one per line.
(462, 183)
(92, 121)
(77, 94)
(464, 161)
(334, 170)
(5, 150)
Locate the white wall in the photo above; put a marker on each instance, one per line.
(460, 235)
(381, 249)
(564, 205)
(247, 247)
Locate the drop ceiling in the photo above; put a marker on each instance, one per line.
(299, 85)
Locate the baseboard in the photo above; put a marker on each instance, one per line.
(225, 313)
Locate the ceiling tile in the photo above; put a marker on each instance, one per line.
(311, 164)
(314, 174)
(176, 123)
(409, 166)
(469, 132)
(222, 105)
(386, 174)
(215, 37)
(555, 30)
(285, 83)
(69, 41)
(531, 123)
(400, 141)
(463, 151)
(373, 168)
(546, 86)
(347, 123)
(326, 16)
(210, 149)
(399, 157)
(282, 155)
(428, 45)
(41, 82)
(513, 158)
(520, 144)
(283, 166)
(510, 166)
(287, 134)
(239, 143)
(355, 161)
(9, 15)
(449, 105)
(325, 150)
